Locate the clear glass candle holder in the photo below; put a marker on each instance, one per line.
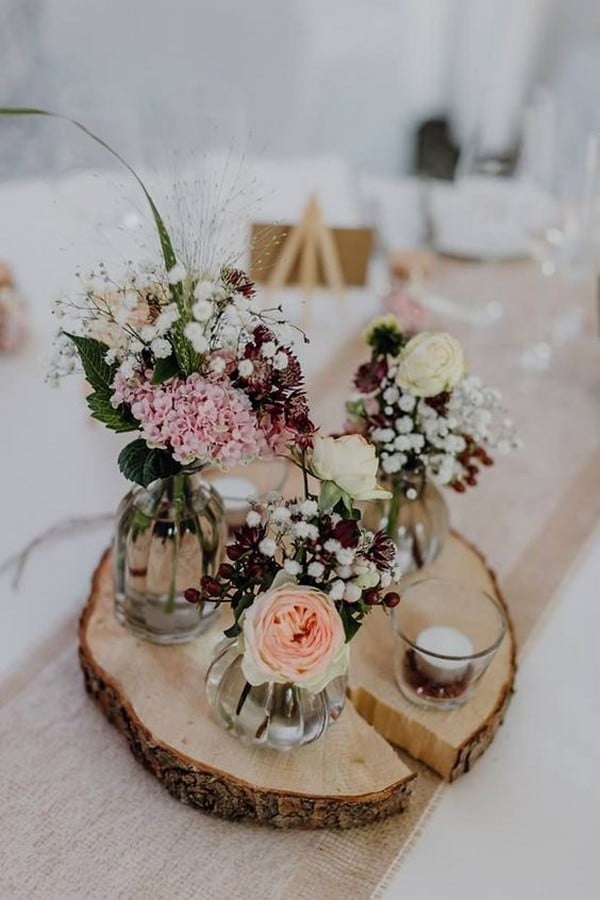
(447, 633)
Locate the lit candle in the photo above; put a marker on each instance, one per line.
(446, 641)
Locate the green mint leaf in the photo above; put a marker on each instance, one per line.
(97, 371)
(119, 420)
(143, 465)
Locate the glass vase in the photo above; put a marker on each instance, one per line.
(416, 518)
(168, 536)
(278, 716)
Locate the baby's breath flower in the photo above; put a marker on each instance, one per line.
(268, 349)
(292, 567)
(195, 335)
(253, 519)
(176, 274)
(280, 515)
(316, 569)
(202, 310)
(352, 593)
(268, 547)
(205, 290)
(217, 364)
(309, 508)
(166, 318)
(332, 546)
(337, 590)
(127, 368)
(280, 360)
(245, 368)
(345, 556)
(302, 529)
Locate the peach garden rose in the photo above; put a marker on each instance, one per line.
(293, 633)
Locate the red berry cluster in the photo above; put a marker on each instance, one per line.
(467, 459)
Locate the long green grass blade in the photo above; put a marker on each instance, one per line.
(163, 234)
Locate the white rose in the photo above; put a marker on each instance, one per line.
(431, 362)
(350, 463)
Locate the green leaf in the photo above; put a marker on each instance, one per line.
(329, 495)
(119, 420)
(346, 509)
(233, 630)
(163, 234)
(165, 369)
(351, 624)
(97, 371)
(143, 465)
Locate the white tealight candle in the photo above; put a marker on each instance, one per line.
(446, 641)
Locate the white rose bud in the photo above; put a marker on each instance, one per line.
(349, 462)
(431, 362)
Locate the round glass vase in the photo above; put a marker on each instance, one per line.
(416, 518)
(168, 535)
(277, 716)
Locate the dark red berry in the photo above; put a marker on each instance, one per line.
(392, 599)
(371, 597)
(211, 586)
(191, 595)
(458, 486)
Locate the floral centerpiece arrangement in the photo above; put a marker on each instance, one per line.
(431, 423)
(189, 361)
(300, 577)
(178, 351)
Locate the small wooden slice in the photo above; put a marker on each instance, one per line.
(448, 742)
(155, 696)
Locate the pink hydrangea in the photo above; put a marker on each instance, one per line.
(196, 419)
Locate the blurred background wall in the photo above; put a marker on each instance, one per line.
(289, 77)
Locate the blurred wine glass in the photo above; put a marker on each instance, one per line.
(559, 171)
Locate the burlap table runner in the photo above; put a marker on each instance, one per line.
(82, 819)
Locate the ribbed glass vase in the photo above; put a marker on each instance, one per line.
(279, 716)
(416, 518)
(168, 536)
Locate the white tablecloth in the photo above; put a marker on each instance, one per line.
(525, 822)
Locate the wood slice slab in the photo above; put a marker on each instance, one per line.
(449, 742)
(155, 696)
